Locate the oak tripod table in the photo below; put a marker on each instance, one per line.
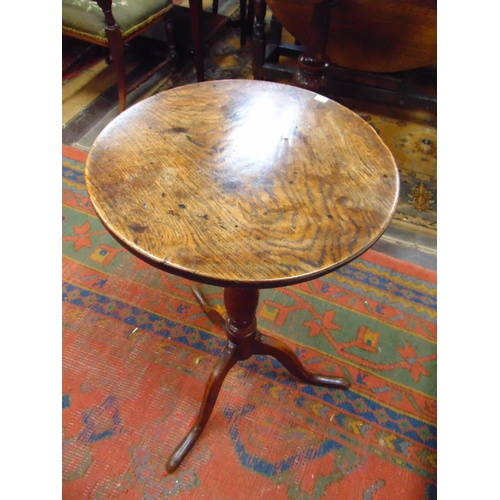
(244, 185)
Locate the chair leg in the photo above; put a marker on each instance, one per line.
(169, 32)
(105, 54)
(115, 44)
(195, 11)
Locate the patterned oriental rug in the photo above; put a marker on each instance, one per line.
(138, 350)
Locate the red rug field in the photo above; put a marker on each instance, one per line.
(137, 352)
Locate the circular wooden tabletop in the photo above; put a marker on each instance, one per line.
(242, 183)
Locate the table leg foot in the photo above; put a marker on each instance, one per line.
(216, 314)
(226, 362)
(284, 354)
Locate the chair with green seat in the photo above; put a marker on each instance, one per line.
(112, 24)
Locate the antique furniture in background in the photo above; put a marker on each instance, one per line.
(195, 28)
(204, 26)
(379, 49)
(245, 185)
(112, 25)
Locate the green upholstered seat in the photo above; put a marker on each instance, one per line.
(86, 17)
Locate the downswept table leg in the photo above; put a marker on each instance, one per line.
(284, 354)
(212, 389)
(244, 340)
(216, 314)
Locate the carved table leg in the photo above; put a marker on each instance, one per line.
(225, 363)
(284, 354)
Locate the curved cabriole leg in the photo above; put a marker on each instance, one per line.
(216, 314)
(285, 355)
(225, 363)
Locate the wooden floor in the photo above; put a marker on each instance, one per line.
(89, 103)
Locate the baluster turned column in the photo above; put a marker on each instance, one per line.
(314, 62)
(241, 325)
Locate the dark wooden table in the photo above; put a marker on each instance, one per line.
(245, 185)
(382, 50)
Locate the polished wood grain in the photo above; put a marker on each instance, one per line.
(242, 183)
